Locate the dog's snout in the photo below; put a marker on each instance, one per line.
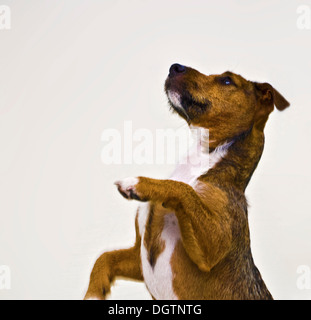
(176, 69)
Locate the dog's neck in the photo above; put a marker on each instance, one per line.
(230, 164)
(238, 164)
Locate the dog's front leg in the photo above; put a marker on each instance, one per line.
(206, 233)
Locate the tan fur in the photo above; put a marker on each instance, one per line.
(212, 259)
(110, 265)
(152, 237)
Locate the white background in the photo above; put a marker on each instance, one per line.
(71, 69)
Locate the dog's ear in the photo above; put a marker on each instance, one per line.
(279, 101)
(270, 96)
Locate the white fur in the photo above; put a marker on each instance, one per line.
(127, 183)
(159, 279)
(198, 160)
(174, 97)
(142, 218)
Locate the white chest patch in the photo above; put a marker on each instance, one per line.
(197, 162)
(159, 279)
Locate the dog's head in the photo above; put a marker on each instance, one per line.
(226, 104)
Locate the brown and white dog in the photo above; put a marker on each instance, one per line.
(192, 233)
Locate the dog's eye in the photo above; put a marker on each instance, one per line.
(227, 81)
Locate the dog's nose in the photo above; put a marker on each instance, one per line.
(176, 69)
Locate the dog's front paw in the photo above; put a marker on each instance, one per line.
(127, 187)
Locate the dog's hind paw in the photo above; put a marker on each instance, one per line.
(127, 188)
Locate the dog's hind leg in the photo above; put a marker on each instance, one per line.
(110, 265)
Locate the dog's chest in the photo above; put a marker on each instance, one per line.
(196, 163)
(160, 236)
(157, 251)
(156, 266)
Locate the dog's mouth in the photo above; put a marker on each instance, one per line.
(185, 105)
